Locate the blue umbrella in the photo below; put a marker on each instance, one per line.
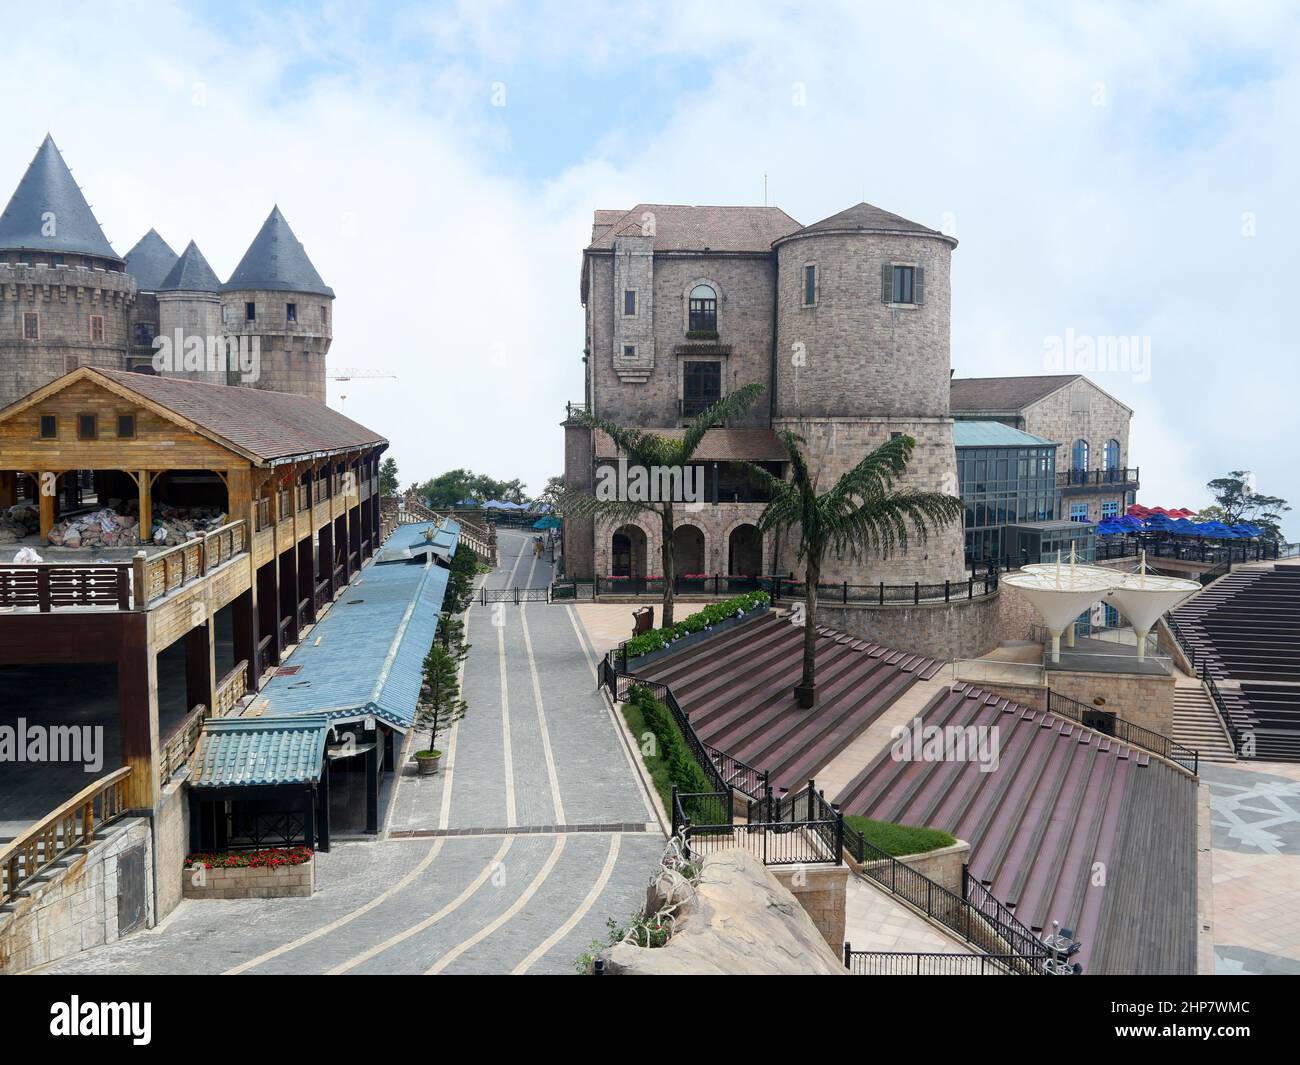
(1247, 528)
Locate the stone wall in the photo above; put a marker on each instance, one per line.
(65, 298)
(93, 897)
(821, 891)
(960, 629)
(715, 521)
(172, 838)
(258, 882)
(852, 354)
(1143, 699)
(292, 353)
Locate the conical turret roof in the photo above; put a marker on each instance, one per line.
(47, 211)
(150, 261)
(276, 260)
(191, 273)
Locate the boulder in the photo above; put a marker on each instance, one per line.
(742, 922)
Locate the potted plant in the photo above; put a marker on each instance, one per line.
(440, 704)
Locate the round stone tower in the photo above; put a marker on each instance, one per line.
(276, 299)
(192, 341)
(862, 337)
(65, 296)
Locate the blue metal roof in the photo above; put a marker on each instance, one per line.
(366, 657)
(994, 434)
(251, 751)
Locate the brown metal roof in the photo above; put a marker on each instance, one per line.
(682, 228)
(269, 425)
(719, 445)
(1004, 393)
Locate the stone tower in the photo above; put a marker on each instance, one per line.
(276, 295)
(862, 353)
(189, 313)
(65, 295)
(149, 262)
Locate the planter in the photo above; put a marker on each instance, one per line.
(428, 762)
(250, 882)
(633, 664)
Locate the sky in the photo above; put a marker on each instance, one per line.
(1110, 170)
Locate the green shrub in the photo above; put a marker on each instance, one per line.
(670, 761)
(898, 840)
(658, 639)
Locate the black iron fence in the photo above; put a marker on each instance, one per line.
(895, 963)
(879, 594)
(781, 842)
(1097, 478)
(514, 595)
(572, 589)
(1221, 708)
(1126, 731)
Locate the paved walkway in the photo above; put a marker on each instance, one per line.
(511, 859)
(1254, 813)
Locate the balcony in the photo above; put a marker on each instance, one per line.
(1125, 480)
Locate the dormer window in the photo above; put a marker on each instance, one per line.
(703, 310)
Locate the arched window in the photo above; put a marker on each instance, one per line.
(703, 309)
(1079, 455)
(1112, 454)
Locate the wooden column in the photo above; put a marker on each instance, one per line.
(8, 488)
(243, 617)
(137, 703)
(144, 492)
(47, 493)
(199, 681)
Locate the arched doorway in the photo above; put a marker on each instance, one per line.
(688, 550)
(745, 552)
(628, 552)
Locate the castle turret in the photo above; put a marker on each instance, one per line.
(862, 354)
(65, 296)
(276, 295)
(149, 262)
(189, 321)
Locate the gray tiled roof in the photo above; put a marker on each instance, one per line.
(150, 261)
(277, 260)
(1004, 393)
(191, 273)
(681, 228)
(48, 198)
(270, 425)
(865, 216)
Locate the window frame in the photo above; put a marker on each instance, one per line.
(132, 434)
(32, 316)
(96, 319)
(810, 298)
(94, 426)
(40, 427)
(706, 311)
(904, 272)
(291, 313)
(629, 348)
(250, 311)
(630, 292)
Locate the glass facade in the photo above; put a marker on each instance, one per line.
(1003, 486)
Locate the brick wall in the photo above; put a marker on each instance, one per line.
(261, 882)
(821, 892)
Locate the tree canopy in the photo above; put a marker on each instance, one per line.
(1235, 500)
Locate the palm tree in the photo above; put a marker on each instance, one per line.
(862, 513)
(650, 449)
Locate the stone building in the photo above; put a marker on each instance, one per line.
(846, 323)
(1090, 426)
(67, 299)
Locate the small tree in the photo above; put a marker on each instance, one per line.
(388, 482)
(440, 705)
(1237, 501)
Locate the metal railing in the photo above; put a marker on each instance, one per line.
(1123, 730)
(1097, 478)
(779, 842)
(71, 825)
(899, 963)
(879, 594)
(1221, 707)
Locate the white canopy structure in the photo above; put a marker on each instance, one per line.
(1061, 591)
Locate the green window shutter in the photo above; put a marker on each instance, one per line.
(918, 285)
(887, 283)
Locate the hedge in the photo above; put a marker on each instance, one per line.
(671, 762)
(658, 639)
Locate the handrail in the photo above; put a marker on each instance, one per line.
(878, 594)
(230, 689)
(182, 743)
(159, 575)
(70, 825)
(1128, 732)
(932, 963)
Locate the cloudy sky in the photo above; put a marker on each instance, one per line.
(1110, 170)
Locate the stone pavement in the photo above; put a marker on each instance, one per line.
(534, 833)
(1255, 856)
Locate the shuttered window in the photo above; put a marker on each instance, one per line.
(902, 284)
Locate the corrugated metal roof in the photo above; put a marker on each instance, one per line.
(252, 751)
(994, 434)
(367, 656)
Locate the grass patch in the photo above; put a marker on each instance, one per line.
(666, 755)
(898, 840)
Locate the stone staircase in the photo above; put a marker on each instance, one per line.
(1197, 724)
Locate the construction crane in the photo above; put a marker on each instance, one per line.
(347, 373)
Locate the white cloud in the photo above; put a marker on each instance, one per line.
(461, 275)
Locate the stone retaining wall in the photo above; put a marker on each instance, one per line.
(964, 628)
(821, 892)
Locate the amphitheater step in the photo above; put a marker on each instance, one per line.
(1197, 725)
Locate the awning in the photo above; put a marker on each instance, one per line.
(260, 751)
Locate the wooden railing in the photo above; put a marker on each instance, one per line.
(262, 513)
(51, 585)
(72, 825)
(180, 745)
(163, 573)
(282, 498)
(230, 689)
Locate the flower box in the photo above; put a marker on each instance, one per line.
(266, 874)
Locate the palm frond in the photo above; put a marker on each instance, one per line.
(584, 505)
(716, 414)
(885, 523)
